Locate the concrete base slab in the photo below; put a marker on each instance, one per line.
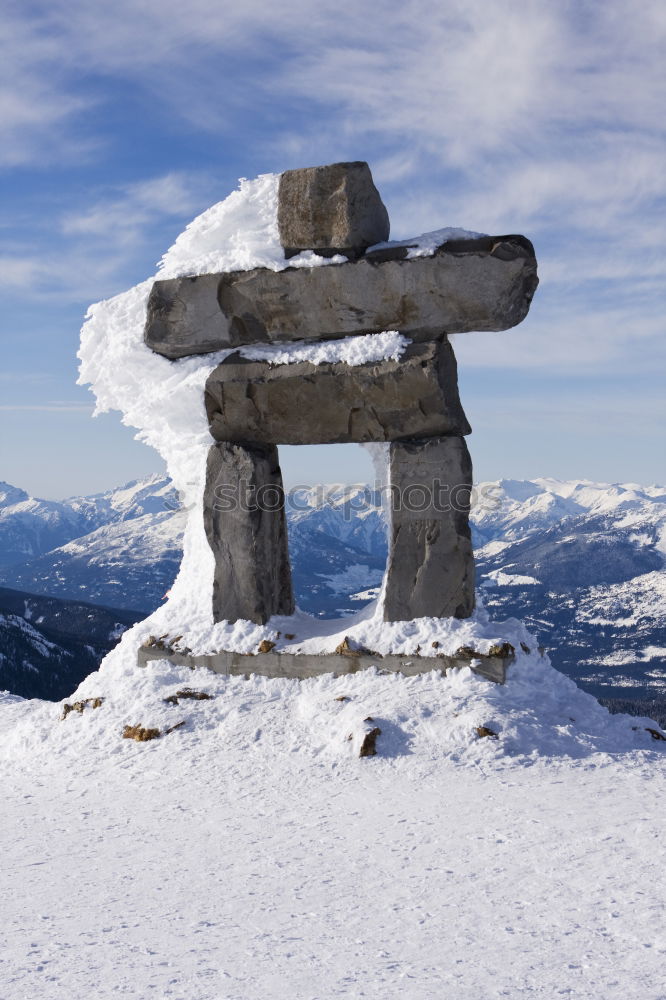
(302, 665)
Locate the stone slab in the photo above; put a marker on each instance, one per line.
(484, 284)
(430, 570)
(247, 531)
(330, 209)
(303, 403)
(300, 665)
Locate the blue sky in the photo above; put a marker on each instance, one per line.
(120, 122)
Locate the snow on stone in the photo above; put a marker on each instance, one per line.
(351, 350)
(426, 244)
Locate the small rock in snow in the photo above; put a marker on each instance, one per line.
(368, 746)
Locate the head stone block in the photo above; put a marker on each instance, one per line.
(330, 209)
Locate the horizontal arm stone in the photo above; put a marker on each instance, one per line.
(303, 403)
(483, 284)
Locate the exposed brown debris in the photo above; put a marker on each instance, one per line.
(655, 734)
(436, 644)
(502, 649)
(143, 734)
(290, 635)
(140, 734)
(266, 645)
(346, 649)
(78, 706)
(468, 652)
(369, 744)
(165, 644)
(154, 643)
(525, 648)
(342, 697)
(171, 729)
(173, 699)
(482, 731)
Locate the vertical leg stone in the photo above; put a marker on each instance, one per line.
(430, 564)
(246, 528)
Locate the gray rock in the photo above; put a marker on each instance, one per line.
(416, 396)
(330, 209)
(184, 317)
(302, 665)
(484, 284)
(430, 564)
(246, 528)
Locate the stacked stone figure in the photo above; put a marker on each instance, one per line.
(412, 403)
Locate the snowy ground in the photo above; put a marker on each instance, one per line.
(252, 854)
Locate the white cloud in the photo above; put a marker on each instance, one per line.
(37, 101)
(538, 117)
(573, 333)
(89, 252)
(123, 215)
(461, 81)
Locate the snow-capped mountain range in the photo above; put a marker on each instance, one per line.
(582, 563)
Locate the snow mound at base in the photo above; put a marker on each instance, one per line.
(538, 713)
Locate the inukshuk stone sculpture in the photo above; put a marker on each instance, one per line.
(412, 403)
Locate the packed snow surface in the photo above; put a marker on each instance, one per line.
(251, 853)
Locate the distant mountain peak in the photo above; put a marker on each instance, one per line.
(9, 495)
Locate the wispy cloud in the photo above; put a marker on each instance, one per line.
(574, 335)
(37, 99)
(90, 250)
(124, 215)
(460, 81)
(538, 117)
